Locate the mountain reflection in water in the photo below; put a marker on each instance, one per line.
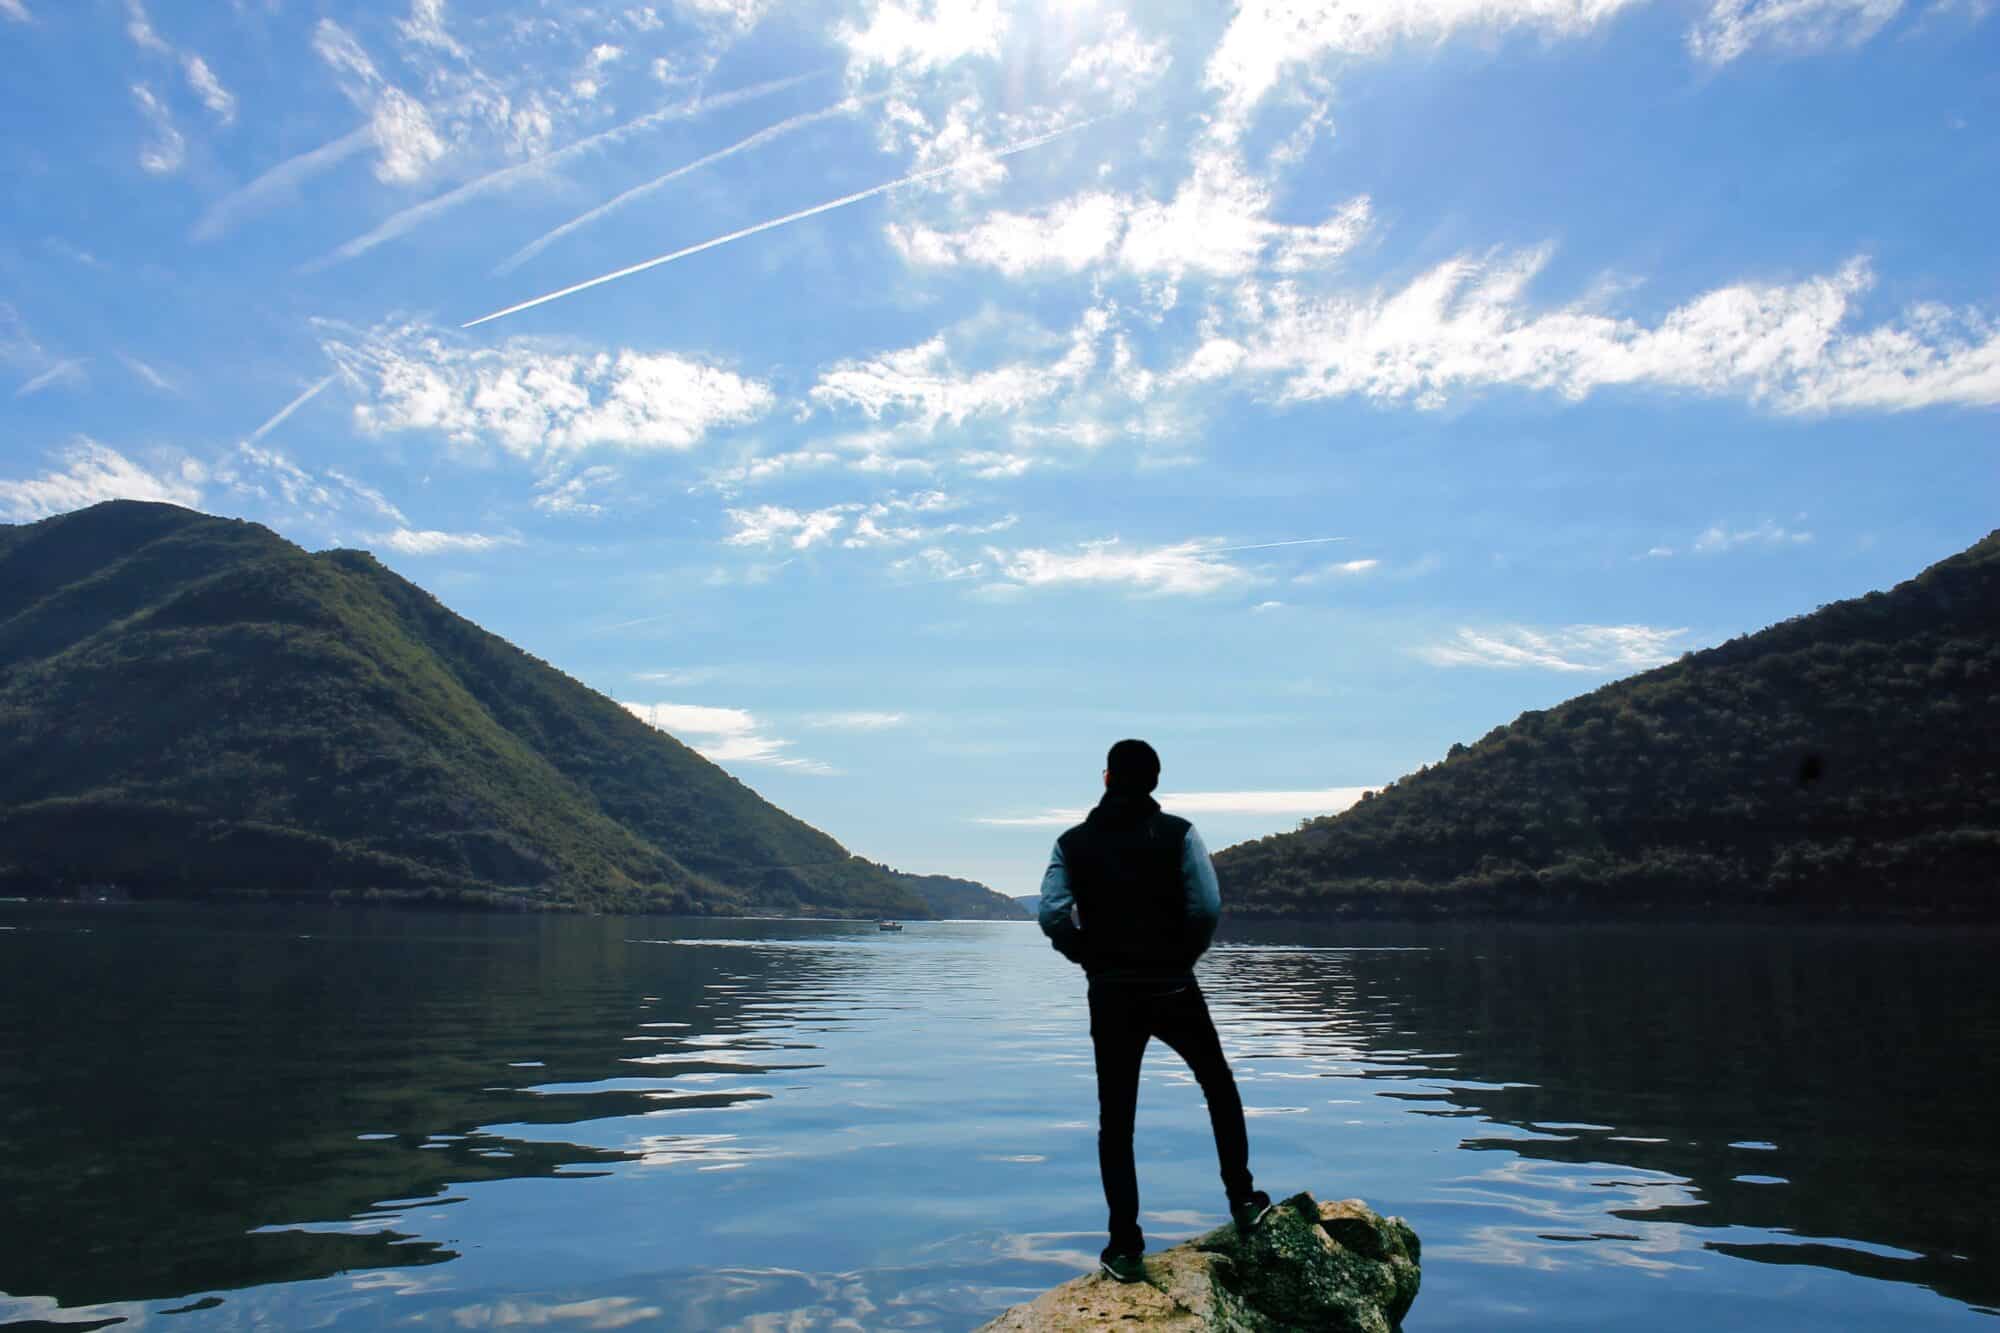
(275, 1115)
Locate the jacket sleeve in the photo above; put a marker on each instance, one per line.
(1058, 910)
(1204, 895)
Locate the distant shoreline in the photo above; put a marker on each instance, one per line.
(1351, 913)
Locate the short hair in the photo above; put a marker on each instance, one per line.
(1133, 765)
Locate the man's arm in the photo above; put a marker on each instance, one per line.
(1204, 895)
(1058, 912)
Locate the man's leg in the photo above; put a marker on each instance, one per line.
(1182, 1021)
(1118, 1038)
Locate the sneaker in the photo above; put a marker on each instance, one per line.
(1248, 1212)
(1122, 1266)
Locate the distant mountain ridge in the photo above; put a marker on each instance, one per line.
(191, 704)
(1842, 761)
(960, 899)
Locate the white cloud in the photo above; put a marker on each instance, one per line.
(151, 377)
(1266, 37)
(724, 735)
(1216, 223)
(1345, 569)
(1718, 538)
(923, 384)
(937, 565)
(739, 14)
(886, 523)
(404, 137)
(923, 35)
(679, 675)
(1322, 801)
(1070, 236)
(140, 29)
(570, 495)
(167, 149)
(858, 721)
(1120, 64)
(368, 495)
(1599, 649)
(431, 542)
(406, 141)
(1465, 325)
(1732, 27)
(95, 472)
(536, 402)
(252, 469)
(209, 89)
(16, 10)
(1189, 568)
(771, 525)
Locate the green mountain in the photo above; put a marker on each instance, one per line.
(192, 705)
(960, 899)
(1842, 761)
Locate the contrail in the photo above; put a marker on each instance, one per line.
(287, 410)
(1265, 546)
(418, 214)
(1023, 146)
(783, 127)
(288, 174)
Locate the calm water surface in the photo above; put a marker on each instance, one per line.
(302, 1118)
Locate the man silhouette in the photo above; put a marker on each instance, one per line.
(1130, 896)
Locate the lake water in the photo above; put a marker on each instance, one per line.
(302, 1118)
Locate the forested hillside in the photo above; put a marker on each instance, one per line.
(192, 705)
(1842, 761)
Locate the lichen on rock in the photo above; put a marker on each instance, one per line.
(1307, 1265)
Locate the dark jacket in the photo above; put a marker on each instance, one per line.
(1130, 892)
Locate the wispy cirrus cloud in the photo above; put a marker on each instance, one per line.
(201, 79)
(1185, 569)
(1718, 538)
(858, 720)
(1266, 38)
(1596, 649)
(67, 374)
(167, 148)
(432, 542)
(148, 376)
(725, 735)
(1732, 28)
(279, 183)
(16, 10)
(92, 472)
(1467, 325)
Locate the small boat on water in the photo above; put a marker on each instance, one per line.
(888, 925)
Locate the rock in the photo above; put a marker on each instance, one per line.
(1308, 1265)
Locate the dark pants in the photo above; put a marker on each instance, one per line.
(1123, 1016)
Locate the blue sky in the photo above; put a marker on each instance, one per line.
(1303, 387)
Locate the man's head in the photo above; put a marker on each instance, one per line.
(1132, 766)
